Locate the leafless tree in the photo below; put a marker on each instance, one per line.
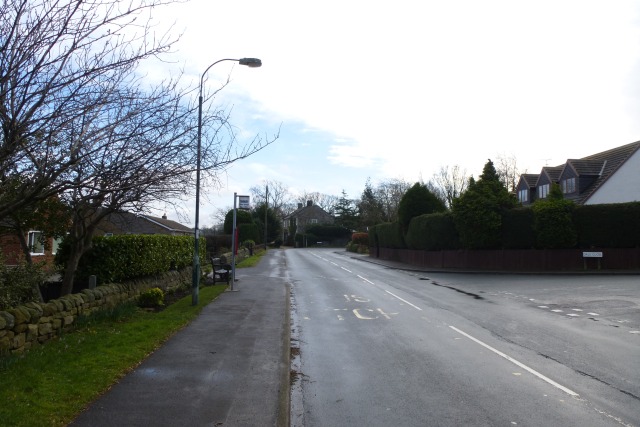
(61, 65)
(325, 201)
(507, 169)
(389, 193)
(279, 195)
(448, 183)
(79, 122)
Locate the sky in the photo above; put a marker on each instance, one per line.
(385, 90)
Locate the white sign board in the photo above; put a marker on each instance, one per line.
(243, 202)
(592, 254)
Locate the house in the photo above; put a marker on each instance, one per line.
(612, 176)
(305, 216)
(129, 223)
(43, 249)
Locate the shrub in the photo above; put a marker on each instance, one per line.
(418, 200)
(151, 298)
(552, 221)
(123, 257)
(433, 232)
(478, 212)
(19, 284)
(360, 238)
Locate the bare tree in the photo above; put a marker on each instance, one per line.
(325, 201)
(279, 195)
(62, 62)
(448, 183)
(79, 122)
(507, 169)
(389, 193)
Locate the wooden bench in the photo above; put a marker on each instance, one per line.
(221, 270)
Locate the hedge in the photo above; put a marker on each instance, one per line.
(124, 257)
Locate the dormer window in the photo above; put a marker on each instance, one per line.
(523, 196)
(568, 185)
(543, 190)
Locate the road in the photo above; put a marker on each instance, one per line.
(377, 346)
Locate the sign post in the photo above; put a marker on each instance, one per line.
(244, 203)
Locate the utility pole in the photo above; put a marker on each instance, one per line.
(266, 209)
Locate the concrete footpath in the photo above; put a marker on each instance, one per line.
(229, 367)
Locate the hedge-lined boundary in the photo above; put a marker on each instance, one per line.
(544, 227)
(126, 257)
(25, 326)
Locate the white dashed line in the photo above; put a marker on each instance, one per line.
(368, 281)
(573, 315)
(576, 309)
(593, 314)
(522, 365)
(404, 301)
(557, 311)
(543, 306)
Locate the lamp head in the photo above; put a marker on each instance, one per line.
(250, 62)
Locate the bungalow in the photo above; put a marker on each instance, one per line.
(129, 223)
(43, 249)
(611, 176)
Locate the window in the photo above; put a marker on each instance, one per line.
(568, 185)
(56, 245)
(543, 190)
(523, 196)
(36, 242)
(313, 221)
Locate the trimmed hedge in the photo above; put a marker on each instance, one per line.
(431, 232)
(124, 257)
(608, 226)
(546, 225)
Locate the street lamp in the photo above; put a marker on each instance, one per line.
(249, 62)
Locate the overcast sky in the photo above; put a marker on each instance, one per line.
(381, 90)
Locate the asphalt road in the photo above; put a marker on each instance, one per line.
(377, 346)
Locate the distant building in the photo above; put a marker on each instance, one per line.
(129, 223)
(612, 176)
(305, 216)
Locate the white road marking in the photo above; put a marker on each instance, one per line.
(368, 281)
(634, 332)
(347, 270)
(576, 309)
(404, 301)
(593, 314)
(522, 365)
(557, 311)
(543, 306)
(573, 315)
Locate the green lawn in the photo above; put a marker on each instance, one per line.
(50, 384)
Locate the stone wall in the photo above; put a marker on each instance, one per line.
(25, 326)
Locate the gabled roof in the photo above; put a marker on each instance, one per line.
(129, 223)
(553, 172)
(587, 167)
(612, 160)
(530, 179)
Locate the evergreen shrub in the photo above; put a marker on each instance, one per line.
(123, 257)
(433, 232)
(608, 226)
(517, 229)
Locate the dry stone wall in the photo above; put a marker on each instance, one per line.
(25, 326)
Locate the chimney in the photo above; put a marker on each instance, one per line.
(164, 216)
(309, 202)
(299, 205)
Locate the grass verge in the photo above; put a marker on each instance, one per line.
(52, 383)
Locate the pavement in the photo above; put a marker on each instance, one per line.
(229, 367)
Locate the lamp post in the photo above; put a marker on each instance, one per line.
(249, 62)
